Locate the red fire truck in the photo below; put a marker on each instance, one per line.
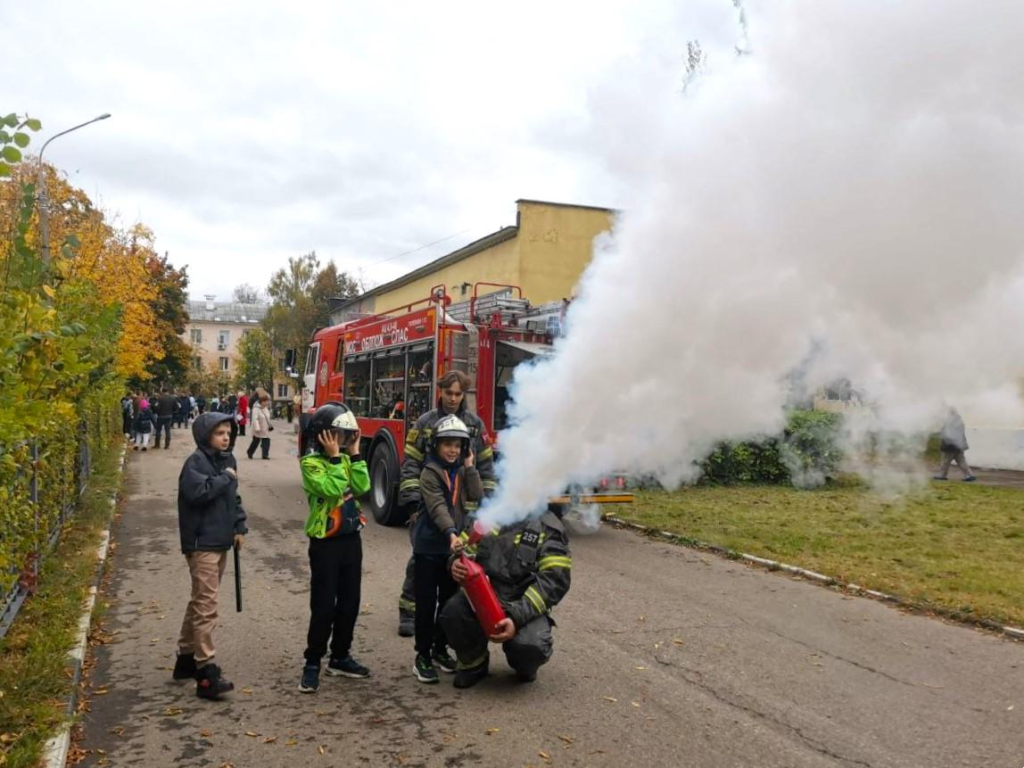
(385, 368)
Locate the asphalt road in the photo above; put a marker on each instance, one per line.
(663, 657)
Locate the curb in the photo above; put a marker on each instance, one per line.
(828, 581)
(55, 751)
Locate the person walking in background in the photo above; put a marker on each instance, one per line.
(127, 415)
(145, 423)
(953, 446)
(229, 405)
(261, 426)
(243, 413)
(184, 410)
(167, 406)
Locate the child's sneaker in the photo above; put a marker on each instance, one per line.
(424, 670)
(347, 667)
(185, 667)
(443, 660)
(310, 682)
(210, 684)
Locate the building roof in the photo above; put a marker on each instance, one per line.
(226, 312)
(488, 241)
(485, 242)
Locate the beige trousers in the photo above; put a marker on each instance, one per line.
(206, 570)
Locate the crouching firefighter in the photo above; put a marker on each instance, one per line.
(529, 567)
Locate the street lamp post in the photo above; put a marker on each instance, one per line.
(44, 203)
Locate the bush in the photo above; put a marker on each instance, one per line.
(806, 455)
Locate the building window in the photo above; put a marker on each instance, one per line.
(197, 335)
(223, 337)
(197, 363)
(225, 363)
(281, 364)
(282, 390)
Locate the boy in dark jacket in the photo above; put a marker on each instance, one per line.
(448, 482)
(211, 520)
(333, 475)
(144, 424)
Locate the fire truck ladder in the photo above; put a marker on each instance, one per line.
(501, 303)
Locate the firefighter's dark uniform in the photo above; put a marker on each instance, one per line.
(416, 448)
(530, 568)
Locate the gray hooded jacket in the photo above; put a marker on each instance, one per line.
(210, 510)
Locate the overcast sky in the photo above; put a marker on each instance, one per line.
(244, 133)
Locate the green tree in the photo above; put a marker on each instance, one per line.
(255, 361)
(300, 297)
(171, 368)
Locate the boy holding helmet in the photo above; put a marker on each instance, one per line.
(333, 475)
(448, 481)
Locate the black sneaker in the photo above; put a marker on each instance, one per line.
(467, 678)
(310, 682)
(185, 667)
(424, 670)
(406, 624)
(347, 667)
(443, 660)
(210, 684)
(970, 479)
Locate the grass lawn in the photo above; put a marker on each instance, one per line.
(951, 547)
(34, 668)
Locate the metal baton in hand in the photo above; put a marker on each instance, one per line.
(238, 582)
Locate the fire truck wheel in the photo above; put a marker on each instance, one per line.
(384, 474)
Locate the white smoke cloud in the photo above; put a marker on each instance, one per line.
(853, 185)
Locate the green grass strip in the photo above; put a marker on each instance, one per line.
(954, 547)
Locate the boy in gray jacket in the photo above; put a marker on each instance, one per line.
(210, 520)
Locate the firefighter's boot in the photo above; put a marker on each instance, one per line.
(467, 678)
(406, 623)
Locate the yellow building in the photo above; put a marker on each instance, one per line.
(544, 253)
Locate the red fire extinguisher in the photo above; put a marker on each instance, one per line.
(479, 592)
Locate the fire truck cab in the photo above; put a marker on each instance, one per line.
(385, 368)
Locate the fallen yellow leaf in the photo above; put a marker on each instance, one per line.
(492, 731)
(610, 698)
(678, 641)
(566, 739)
(206, 733)
(253, 734)
(291, 742)
(544, 755)
(270, 739)
(322, 749)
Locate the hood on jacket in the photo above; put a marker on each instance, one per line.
(204, 425)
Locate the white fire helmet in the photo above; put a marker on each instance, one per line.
(451, 427)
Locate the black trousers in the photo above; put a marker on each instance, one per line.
(434, 586)
(241, 430)
(234, 435)
(526, 652)
(263, 442)
(336, 572)
(164, 423)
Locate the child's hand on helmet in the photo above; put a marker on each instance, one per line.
(329, 441)
(353, 445)
(469, 460)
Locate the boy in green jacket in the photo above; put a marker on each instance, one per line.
(333, 475)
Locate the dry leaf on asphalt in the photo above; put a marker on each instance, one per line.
(566, 739)
(639, 669)
(544, 755)
(206, 733)
(492, 731)
(635, 703)
(610, 698)
(247, 690)
(270, 739)
(291, 742)
(322, 749)
(172, 711)
(253, 734)
(678, 641)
